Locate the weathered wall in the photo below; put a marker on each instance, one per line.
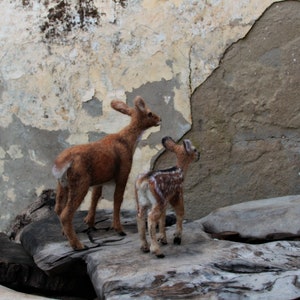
(246, 118)
(62, 62)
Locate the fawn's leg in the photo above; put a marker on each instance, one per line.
(76, 195)
(96, 195)
(179, 210)
(61, 198)
(141, 224)
(153, 218)
(162, 237)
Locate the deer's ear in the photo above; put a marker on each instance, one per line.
(168, 143)
(140, 103)
(121, 107)
(187, 145)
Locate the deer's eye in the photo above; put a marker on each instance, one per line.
(150, 115)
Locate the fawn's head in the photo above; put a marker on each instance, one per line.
(140, 113)
(185, 153)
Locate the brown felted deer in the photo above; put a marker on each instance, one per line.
(155, 189)
(110, 158)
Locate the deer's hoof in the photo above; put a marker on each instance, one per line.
(91, 229)
(80, 247)
(177, 240)
(122, 233)
(163, 242)
(88, 222)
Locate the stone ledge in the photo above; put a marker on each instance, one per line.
(202, 266)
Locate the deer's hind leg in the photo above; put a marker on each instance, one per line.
(141, 224)
(61, 198)
(162, 237)
(153, 219)
(77, 193)
(96, 195)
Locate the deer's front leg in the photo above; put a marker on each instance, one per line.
(118, 199)
(179, 210)
(90, 218)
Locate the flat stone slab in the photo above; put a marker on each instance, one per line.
(267, 219)
(9, 294)
(202, 266)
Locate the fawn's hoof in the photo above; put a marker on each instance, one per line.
(161, 255)
(145, 249)
(177, 240)
(163, 242)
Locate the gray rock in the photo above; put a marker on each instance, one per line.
(269, 219)
(201, 267)
(9, 294)
(39, 209)
(19, 272)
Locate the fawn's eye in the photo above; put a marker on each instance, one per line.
(150, 115)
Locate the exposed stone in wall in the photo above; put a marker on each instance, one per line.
(246, 118)
(59, 58)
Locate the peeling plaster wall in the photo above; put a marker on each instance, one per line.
(62, 62)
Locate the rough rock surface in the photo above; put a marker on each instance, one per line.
(19, 272)
(9, 294)
(259, 220)
(41, 208)
(201, 266)
(246, 118)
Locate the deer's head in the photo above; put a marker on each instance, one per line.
(140, 113)
(185, 153)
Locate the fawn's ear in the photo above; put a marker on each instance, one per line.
(188, 145)
(140, 103)
(121, 106)
(168, 143)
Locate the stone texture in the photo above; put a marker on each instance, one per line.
(7, 294)
(19, 272)
(61, 59)
(202, 266)
(268, 219)
(246, 118)
(39, 209)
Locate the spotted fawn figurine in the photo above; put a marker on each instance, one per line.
(155, 189)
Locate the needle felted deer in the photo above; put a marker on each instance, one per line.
(155, 189)
(93, 164)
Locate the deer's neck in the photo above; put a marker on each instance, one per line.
(182, 166)
(132, 134)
